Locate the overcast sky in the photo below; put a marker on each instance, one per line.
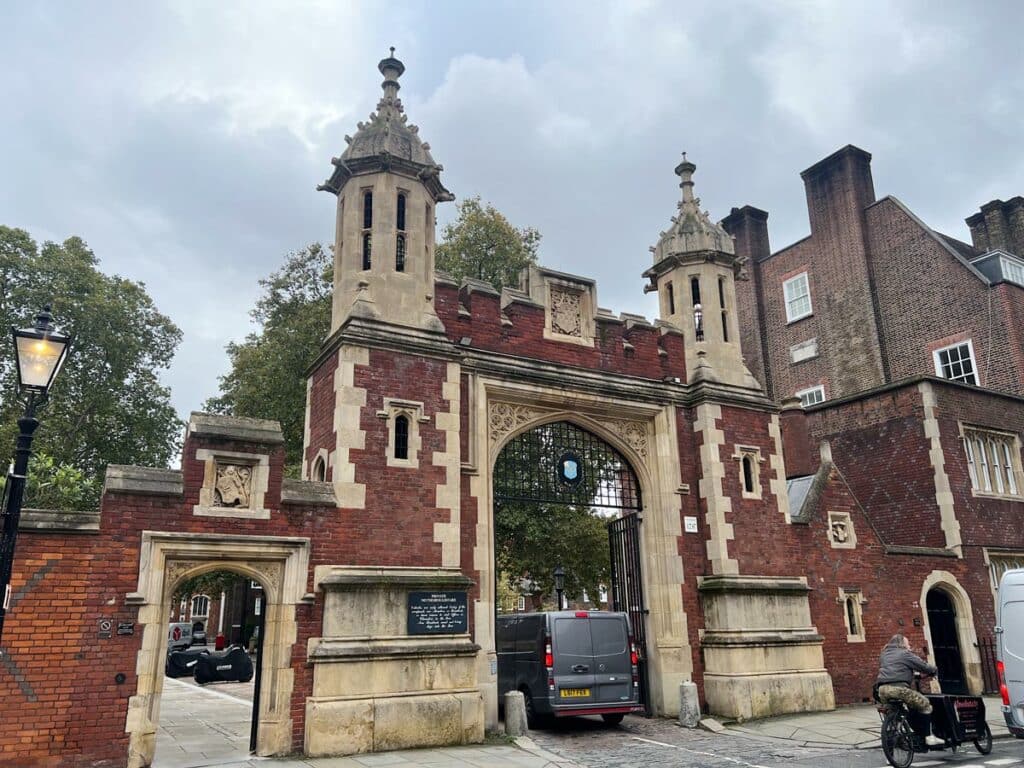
(184, 141)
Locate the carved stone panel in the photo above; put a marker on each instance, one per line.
(234, 486)
(566, 312)
(840, 531)
(506, 418)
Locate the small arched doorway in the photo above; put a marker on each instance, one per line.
(942, 621)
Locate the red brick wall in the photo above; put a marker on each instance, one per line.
(918, 314)
(321, 413)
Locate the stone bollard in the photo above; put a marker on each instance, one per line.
(515, 714)
(689, 705)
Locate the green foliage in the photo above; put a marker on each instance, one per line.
(107, 405)
(210, 584)
(57, 486)
(267, 379)
(481, 243)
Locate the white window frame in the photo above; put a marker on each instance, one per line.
(201, 614)
(1012, 269)
(993, 462)
(791, 314)
(970, 353)
(852, 598)
(817, 388)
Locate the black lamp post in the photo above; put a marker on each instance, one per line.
(559, 584)
(39, 353)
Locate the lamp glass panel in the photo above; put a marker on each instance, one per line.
(38, 360)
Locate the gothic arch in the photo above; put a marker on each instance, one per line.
(947, 583)
(279, 563)
(500, 410)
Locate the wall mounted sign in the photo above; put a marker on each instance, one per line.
(690, 524)
(125, 628)
(104, 629)
(437, 613)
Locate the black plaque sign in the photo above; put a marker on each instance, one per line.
(437, 613)
(125, 628)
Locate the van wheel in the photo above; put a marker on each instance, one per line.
(532, 719)
(613, 718)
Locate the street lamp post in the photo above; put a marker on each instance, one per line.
(39, 353)
(559, 584)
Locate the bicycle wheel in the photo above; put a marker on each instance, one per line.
(897, 740)
(984, 741)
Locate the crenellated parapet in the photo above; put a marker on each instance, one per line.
(555, 318)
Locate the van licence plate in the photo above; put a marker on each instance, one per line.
(574, 693)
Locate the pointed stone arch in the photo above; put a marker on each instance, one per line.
(645, 436)
(966, 633)
(280, 564)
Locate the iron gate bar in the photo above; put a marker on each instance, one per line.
(627, 590)
(527, 470)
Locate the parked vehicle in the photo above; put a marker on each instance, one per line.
(198, 633)
(182, 663)
(179, 635)
(1010, 649)
(569, 663)
(231, 665)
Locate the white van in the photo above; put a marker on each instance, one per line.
(1010, 649)
(179, 635)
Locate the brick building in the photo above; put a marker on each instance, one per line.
(874, 296)
(771, 568)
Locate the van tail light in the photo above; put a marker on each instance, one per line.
(549, 659)
(634, 657)
(582, 615)
(1003, 690)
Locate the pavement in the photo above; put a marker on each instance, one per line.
(857, 726)
(207, 726)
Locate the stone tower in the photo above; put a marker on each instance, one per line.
(387, 185)
(694, 273)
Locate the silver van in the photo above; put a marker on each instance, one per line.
(1010, 649)
(569, 663)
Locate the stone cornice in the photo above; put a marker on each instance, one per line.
(59, 521)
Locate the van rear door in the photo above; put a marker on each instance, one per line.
(573, 651)
(613, 671)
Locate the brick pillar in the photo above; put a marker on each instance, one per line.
(749, 226)
(801, 458)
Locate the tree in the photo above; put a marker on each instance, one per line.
(108, 405)
(481, 243)
(267, 379)
(57, 486)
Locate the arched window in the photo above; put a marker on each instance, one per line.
(400, 253)
(400, 217)
(319, 469)
(671, 299)
(367, 243)
(851, 616)
(200, 606)
(367, 209)
(402, 437)
(748, 473)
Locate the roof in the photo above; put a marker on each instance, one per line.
(967, 251)
(692, 230)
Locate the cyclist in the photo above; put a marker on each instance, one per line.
(896, 668)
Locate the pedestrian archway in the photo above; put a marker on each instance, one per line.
(950, 634)
(945, 643)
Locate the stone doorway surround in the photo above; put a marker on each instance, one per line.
(965, 631)
(644, 434)
(280, 564)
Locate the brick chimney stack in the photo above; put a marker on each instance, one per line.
(749, 226)
(801, 460)
(1000, 225)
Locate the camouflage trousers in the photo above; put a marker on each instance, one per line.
(908, 696)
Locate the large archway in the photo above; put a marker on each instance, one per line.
(949, 627)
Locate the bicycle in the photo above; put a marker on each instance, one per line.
(955, 719)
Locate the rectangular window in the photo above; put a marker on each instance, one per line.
(956, 363)
(811, 396)
(993, 462)
(797, 291)
(1013, 270)
(671, 299)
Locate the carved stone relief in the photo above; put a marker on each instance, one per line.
(566, 312)
(634, 433)
(234, 486)
(840, 531)
(508, 417)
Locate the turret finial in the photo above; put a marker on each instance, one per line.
(392, 69)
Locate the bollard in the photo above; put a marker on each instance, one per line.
(689, 705)
(515, 714)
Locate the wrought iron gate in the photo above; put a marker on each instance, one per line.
(627, 589)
